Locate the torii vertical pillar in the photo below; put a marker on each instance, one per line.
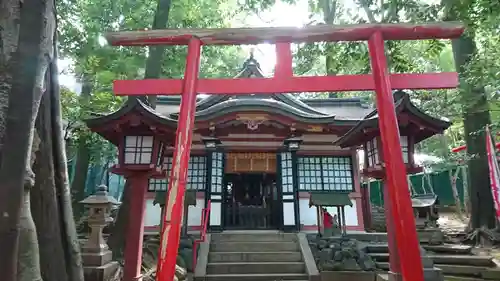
(408, 249)
(174, 206)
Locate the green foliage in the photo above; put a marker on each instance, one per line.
(82, 24)
(403, 56)
(76, 109)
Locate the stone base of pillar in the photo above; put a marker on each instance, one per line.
(100, 273)
(430, 274)
(392, 276)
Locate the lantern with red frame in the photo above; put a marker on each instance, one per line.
(374, 158)
(141, 136)
(414, 126)
(142, 152)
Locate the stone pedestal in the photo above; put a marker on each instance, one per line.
(100, 273)
(97, 260)
(96, 256)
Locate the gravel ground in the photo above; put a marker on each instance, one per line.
(451, 223)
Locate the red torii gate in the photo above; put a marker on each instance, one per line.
(284, 82)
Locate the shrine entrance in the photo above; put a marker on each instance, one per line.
(250, 191)
(251, 201)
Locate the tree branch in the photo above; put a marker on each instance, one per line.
(369, 13)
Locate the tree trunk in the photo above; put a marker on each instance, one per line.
(153, 70)
(27, 69)
(82, 162)
(476, 117)
(155, 59)
(59, 249)
(329, 9)
(9, 17)
(44, 201)
(29, 258)
(70, 237)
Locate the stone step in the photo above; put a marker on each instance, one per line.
(254, 237)
(446, 259)
(256, 267)
(441, 249)
(491, 274)
(254, 257)
(462, 270)
(256, 277)
(385, 277)
(462, 278)
(254, 247)
(424, 236)
(448, 277)
(449, 249)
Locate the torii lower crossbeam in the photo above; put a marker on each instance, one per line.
(407, 249)
(290, 84)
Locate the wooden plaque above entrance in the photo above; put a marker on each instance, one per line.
(250, 162)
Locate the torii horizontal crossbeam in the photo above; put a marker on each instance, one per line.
(316, 33)
(443, 80)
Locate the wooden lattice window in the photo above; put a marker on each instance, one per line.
(330, 173)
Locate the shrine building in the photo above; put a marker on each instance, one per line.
(258, 159)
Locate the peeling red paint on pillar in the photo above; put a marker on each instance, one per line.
(178, 176)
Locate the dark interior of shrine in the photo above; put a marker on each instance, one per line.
(250, 199)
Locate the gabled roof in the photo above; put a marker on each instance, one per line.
(268, 105)
(251, 68)
(131, 106)
(402, 104)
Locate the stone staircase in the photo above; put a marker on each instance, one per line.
(457, 262)
(259, 256)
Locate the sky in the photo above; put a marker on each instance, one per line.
(280, 15)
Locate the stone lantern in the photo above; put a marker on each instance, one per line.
(141, 136)
(95, 253)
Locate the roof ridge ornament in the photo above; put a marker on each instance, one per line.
(251, 61)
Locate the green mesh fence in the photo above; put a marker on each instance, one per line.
(97, 175)
(438, 183)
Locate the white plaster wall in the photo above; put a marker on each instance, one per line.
(194, 212)
(308, 215)
(288, 213)
(215, 213)
(351, 215)
(153, 213)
